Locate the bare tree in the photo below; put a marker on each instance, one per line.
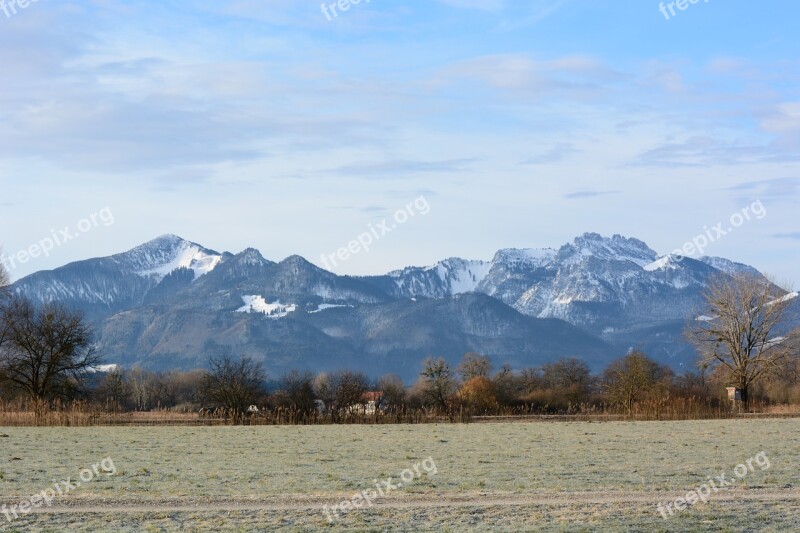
(393, 392)
(324, 391)
(746, 330)
(507, 385)
(3, 286)
(629, 379)
(163, 389)
(566, 373)
(45, 352)
(4, 279)
(438, 383)
(349, 388)
(530, 380)
(112, 391)
(571, 377)
(140, 389)
(297, 391)
(474, 365)
(234, 384)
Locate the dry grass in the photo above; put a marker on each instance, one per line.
(216, 465)
(82, 418)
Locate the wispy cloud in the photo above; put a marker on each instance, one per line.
(783, 119)
(770, 189)
(793, 235)
(573, 77)
(374, 209)
(699, 151)
(589, 194)
(555, 154)
(535, 12)
(403, 167)
(503, 108)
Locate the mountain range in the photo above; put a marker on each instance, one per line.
(172, 303)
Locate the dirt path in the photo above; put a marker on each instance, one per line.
(477, 500)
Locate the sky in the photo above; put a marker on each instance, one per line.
(441, 128)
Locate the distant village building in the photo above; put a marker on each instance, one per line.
(369, 405)
(371, 402)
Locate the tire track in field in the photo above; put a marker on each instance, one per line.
(489, 500)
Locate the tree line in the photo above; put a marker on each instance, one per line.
(746, 339)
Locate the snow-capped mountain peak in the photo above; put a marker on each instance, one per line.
(614, 288)
(122, 280)
(167, 253)
(616, 248)
(461, 275)
(445, 278)
(530, 257)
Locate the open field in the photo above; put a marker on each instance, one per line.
(574, 476)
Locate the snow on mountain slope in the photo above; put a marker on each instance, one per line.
(324, 307)
(614, 288)
(258, 304)
(790, 296)
(296, 279)
(607, 282)
(525, 257)
(164, 254)
(616, 248)
(783, 299)
(667, 262)
(729, 267)
(614, 271)
(121, 281)
(192, 257)
(454, 276)
(446, 278)
(461, 276)
(595, 282)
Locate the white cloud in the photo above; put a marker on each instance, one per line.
(784, 118)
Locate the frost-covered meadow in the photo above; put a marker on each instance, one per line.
(489, 477)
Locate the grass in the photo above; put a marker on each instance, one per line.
(279, 464)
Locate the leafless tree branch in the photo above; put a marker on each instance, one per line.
(748, 329)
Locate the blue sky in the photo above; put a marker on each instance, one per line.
(523, 124)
